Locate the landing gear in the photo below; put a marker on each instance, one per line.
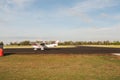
(35, 49)
(42, 48)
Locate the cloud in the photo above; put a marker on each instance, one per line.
(84, 10)
(20, 3)
(2, 21)
(92, 33)
(13, 10)
(110, 16)
(91, 5)
(14, 5)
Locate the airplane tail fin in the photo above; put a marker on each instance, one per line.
(56, 42)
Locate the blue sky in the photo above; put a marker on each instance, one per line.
(77, 20)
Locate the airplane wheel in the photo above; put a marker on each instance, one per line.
(35, 49)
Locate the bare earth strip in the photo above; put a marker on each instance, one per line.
(72, 50)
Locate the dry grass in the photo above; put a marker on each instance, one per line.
(15, 46)
(59, 67)
(66, 46)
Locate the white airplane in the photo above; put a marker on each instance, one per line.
(43, 45)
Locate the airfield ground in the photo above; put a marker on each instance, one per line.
(69, 50)
(76, 63)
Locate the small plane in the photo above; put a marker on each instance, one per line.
(43, 45)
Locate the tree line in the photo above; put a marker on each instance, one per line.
(90, 43)
(27, 42)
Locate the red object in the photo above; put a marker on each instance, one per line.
(1, 52)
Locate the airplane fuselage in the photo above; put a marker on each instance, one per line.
(42, 46)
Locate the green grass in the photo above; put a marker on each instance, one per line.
(59, 67)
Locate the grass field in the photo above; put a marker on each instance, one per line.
(59, 67)
(108, 46)
(15, 46)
